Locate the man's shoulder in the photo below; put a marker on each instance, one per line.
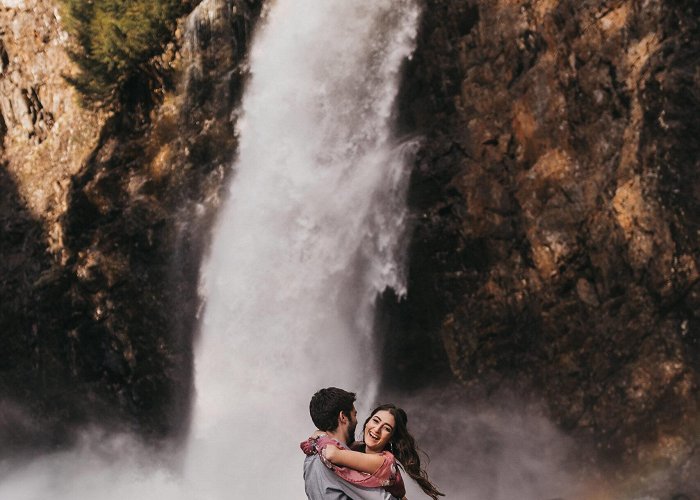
(312, 461)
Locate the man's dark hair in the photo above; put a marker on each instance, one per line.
(327, 403)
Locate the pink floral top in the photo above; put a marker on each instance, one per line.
(387, 476)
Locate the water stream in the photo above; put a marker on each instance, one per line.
(309, 236)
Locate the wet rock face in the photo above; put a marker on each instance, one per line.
(101, 320)
(556, 210)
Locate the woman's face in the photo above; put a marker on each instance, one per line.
(378, 431)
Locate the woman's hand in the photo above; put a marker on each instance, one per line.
(308, 446)
(331, 453)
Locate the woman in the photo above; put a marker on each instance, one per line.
(386, 443)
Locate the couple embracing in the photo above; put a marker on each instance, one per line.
(369, 471)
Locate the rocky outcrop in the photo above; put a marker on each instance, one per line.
(44, 133)
(103, 314)
(556, 213)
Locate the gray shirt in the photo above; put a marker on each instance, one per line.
(322, 484)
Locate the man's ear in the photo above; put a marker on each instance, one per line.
(342, 418)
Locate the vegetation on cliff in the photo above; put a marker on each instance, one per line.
(116, 42)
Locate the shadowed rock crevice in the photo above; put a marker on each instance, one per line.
(34, 379)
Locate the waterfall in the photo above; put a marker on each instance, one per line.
(311, 232)
(309, 236)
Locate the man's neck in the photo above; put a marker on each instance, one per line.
(338, 435)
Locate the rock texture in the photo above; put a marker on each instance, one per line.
(44, 134)
(556, 214)
(100, 300)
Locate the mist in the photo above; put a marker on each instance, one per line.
(500, 449)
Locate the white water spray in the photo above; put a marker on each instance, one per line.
(308, 238)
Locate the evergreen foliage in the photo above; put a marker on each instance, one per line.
(116, 42)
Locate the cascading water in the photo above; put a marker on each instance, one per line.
(306, 241)
(309, 236)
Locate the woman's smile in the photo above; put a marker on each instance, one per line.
(378, 431)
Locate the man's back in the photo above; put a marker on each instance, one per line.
(321, 483)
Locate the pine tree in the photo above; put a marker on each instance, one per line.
(116, 41)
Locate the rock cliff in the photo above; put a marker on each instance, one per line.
(104, 217)
(556, 215)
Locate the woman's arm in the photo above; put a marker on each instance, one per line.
(362, 462)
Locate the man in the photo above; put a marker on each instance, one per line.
(333, 411)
